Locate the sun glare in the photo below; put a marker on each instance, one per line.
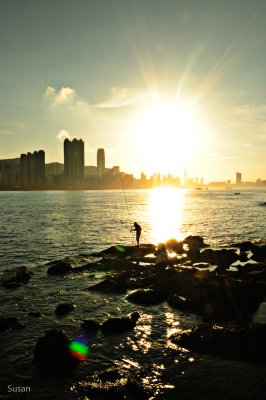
(165, 208)
(167, 135)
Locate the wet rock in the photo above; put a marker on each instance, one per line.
(13, 277)
(195, 242)
(90, 326)
(51, 353)
(10, 323)
(115, 384)
(110, 285)
(118, 325)
(227, 340)
(224, 258)
(243, 257)
(136, 389)
(35, 314)
(64, 308)
(208, 256)
(243, 246)
(12, 285)
(259, 253)
(60, 267)
(220, 299)
(121, 251)
(252, 267)
(146, 297)
(182, 303)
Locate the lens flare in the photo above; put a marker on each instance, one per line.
(79, 348)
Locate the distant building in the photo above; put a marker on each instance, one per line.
(101, 161)
(73, 161)
(10, 172)
(32, 168)
(238, 178)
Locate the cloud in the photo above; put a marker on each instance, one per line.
(62, 135)
(124, 97)
(63, 95)
(22, 125)
(6, 132)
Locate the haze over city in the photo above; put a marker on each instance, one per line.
(161, 85)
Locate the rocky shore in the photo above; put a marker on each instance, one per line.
(224, 287)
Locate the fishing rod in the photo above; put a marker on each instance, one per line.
(129, 217)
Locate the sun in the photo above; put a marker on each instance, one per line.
(167, 136)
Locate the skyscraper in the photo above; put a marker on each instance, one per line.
(238, 178)
(32, 168)
(101, 161)
(73, 160)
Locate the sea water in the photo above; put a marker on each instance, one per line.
(38, 227)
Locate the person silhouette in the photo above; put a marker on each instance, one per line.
(138, 230)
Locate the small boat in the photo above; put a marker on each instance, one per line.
(237, 193)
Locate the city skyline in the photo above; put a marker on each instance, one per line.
(30, 170)
(161, 86)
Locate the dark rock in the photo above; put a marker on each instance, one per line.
(61, 267)
(182, 303)
(10, 323)
(121, 251)
(64, 308)
(51, 353)
(35, 314)
(90, 326)
(195, 242)
(243, 246)
(224, 258)
(110, 285)
(208, 256)
(13, 277)
(220, 299)
(243, 257)
(12, 285)
(136, 389)
(252, 267)
(227, 340)
(259, 253)
(146, 297)
(118, 325)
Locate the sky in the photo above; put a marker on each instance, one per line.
(161, 85)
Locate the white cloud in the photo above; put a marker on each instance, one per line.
(124, 97)
(63, 95)
(5, 132)
(62, 135)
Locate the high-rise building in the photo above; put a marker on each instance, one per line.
(32, 168)
(238, 178)
(73, 161)
(101, 161)
(10, 172)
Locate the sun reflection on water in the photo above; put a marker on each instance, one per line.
(165, 208)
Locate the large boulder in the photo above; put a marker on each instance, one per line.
(14, 277)
(259, 253)
(60, 267)
(120, 324)
(90, 326)
(146, 297)
(10, 323)
(195, 242)
(220, 299)
(52, 354)
(227, 340)
(64, 308)
(110, 285)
